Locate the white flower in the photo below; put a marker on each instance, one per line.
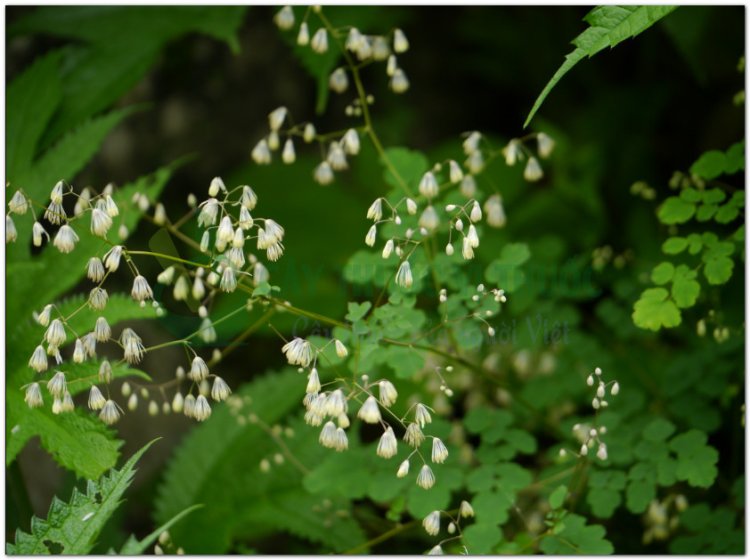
(431, 523)
(37, 231)
(545, 145)
(261, 153)
(354, 40)
(533, 171)
(387, 392)
(429, 218)
(403, 469)
(400, 42)
(288, 155)
(467, 251)
(105, 372)
(102, 330)
(371, 236)
(411, 206)
(388, 445)
(96, 399)
(380, 48)
(141, 290)
(335, 404)
(319, 41)
(601, 452)
(79, 355)
(337, 157)
(57, 385)
(495, 211)
(33, 396)
(436, 550)
(313, 382)
(109, 413)
(413, 435)
(327, 436)
(369, 412)
(298, 352)
(303, 36)
(471, 143)
(198, 369)
(100, 222)
(476, 212)
(455, 173)
(111, 206)
(439, 451)
(512, 152)
(341, 442)
(465, 509)
(308, 135)
(38, 360)
(132, 345)
(66, 239)
(228, 280)
(338, 82)
(468, 186)
(399, 82)
(95, 269)
(188, 406)
(428, 185)
(284, 18)
(323, 173)
(615, 388)
(55, 333)
(388, 248)
(112, 258)
(341, 350)
(98, 298)
(276, 118)
(18, 203)
(350, 141)
(403, 275)
(422, 415)
(475, 162)
(375, 211)
(201, 409)
(473, 236)
(449, 249)
(425, 478)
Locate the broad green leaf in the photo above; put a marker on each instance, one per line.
(609, 26)
(658, 430)
(557, 498)
(675, 210)
(654, 310)
(357, 310)
(481, 538)
(74, 526)
(662, 273)
(718, 270)
(685, 289)
(696, 461)
(674, 245)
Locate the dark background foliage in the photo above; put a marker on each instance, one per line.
(639, 112)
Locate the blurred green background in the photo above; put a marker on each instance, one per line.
(645, 109)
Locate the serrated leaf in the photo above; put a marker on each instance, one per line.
(218, 465)
(609, 26)
(75, 526)
(696, 461)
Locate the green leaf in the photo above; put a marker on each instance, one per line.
(481, 538)
(658, 430)
(74, 526)
(557, 498)
(696, 461)
(662, 273)
(577, 538)
(726, 213)
(654, 310)
(505, 270)
(609, 26)
(685, 288)
(718, 270)
(357, 310)
(409, 164)
(675, 210)
(31, 99)
(710, 165)
(674, 245)
(639, 494)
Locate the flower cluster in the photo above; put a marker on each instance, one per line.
(224, 238)
(327, 405)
